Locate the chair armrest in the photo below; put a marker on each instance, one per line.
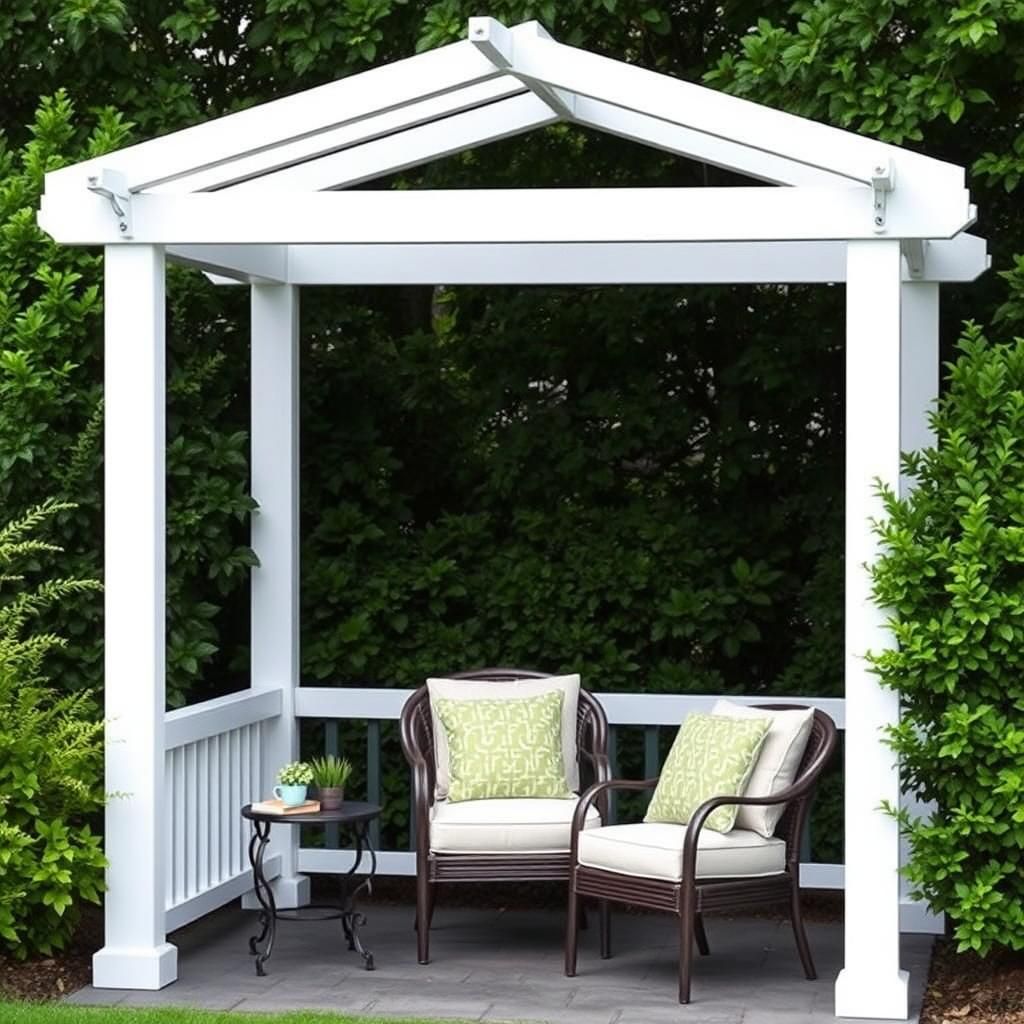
(598, 791)
(699, 816)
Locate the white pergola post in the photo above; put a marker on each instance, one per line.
(135, 954)
(275, 539)
(919, 388)
(871, 983)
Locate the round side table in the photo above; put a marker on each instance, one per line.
(353, 816)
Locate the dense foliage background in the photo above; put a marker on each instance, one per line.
(643, 484)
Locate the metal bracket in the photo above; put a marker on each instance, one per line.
(883, 180)
(914, 253)
(113, 186)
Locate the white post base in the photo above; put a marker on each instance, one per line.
(289, 893)
(152, 968)
(873, 996)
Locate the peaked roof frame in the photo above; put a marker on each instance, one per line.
(196, 187)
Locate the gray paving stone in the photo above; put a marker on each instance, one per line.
(90, 996)
(507, 966)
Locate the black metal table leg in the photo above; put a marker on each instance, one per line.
(264, 894)
(351, 918)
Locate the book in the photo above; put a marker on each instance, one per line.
(277, 807)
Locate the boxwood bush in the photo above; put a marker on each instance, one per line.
(953, 573)
(51, 760)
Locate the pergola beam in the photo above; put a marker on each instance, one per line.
(963, 258)
(321, 109)
(508, 215)
(422, 144)
(244, 264)
(694, 145)
(764, 129)
(272, 164)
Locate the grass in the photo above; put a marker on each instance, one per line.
(63, 1013)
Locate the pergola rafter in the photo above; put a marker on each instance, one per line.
(259, 197)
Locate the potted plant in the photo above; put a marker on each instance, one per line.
(293, 779)
(330, 774)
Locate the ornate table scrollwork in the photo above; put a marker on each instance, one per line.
(351, 815)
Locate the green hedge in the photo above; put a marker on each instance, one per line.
(954, 575)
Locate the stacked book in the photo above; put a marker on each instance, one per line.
(278, 807)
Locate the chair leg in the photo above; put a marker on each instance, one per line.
(424, 901)
(572, 926)
(687, 916)
(604, 912)
(431, 900)
(430, 911)
(702, 936)
(582, 913)
(797, 919)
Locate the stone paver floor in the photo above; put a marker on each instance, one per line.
(507, 966)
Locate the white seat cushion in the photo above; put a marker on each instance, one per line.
(504, 826)
(655, 850)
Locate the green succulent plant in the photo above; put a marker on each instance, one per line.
(331, 772)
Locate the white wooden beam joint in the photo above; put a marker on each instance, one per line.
(914, 253)
(497, 43)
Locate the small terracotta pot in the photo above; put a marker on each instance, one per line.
(331, 797)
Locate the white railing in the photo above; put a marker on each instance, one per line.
(213, 764)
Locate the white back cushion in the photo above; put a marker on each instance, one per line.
(777, 763)
(473, 689)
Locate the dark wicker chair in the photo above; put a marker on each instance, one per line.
(433, 868)
(691, 896)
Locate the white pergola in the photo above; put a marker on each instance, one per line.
(258, 197)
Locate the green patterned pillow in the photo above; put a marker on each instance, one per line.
(712, 756)
(504, 748)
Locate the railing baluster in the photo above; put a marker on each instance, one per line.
(179, 824)
(651, 753)
(373, 774)
(203, 817)
(244, 787)
(331, 834)
(191, 866)
(227, 811)
(169, 796)
(652, 760)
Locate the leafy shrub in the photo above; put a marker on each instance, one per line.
(51, 761)
(953, 573)
(51, 415)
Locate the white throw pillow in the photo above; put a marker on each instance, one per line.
(475, 689)
(777, 763)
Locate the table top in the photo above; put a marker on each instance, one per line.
(351, 812)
